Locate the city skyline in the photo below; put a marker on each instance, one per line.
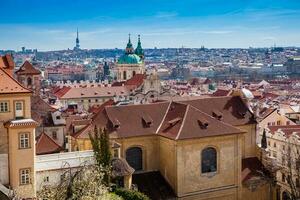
(214, 24)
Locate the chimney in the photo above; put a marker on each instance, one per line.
(7, 63)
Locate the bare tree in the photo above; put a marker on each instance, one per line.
(291, 169)
(83, 184)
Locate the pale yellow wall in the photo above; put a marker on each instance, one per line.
(20, 159)
(150, 147)
(260, 193)
(249, 140)
(227, 194)
(11, 98)
(273, 118)
(81, 144)
(229, 154)
(6, 116)
(167, 160)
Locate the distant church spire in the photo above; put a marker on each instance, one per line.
(129, 47)
(77, 45)
(139, 50)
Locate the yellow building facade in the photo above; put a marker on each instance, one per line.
(17, 135)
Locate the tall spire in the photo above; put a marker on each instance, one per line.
(139, 50)
(77, 45)
(129, 47)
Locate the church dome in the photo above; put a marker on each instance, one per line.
(130, 59)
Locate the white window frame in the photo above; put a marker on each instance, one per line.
(4, 106)
(24, 140)
(25, 176)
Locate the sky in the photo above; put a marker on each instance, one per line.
(51, 24)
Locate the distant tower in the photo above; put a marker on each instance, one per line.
(77, 46)
(139, 50)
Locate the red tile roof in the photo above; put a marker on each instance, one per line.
(27, 69)
(221, 92)
(7, 63)
(136, 80)
(9, 85)
(59, 92)
(177, 120)
(46, 145)
(185, 122)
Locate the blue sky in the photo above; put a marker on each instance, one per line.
(51, 24)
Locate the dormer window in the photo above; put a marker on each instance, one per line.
(203, 123)
(217, 114)
(116, 123)
(147, 120)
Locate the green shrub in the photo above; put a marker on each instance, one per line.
(130, 194)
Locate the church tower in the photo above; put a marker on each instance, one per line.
(139, 50)
(129, 64)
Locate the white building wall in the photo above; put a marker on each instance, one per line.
(49, 168)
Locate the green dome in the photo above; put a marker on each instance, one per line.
(130, 59)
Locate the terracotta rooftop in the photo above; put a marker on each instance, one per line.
(59, 92)
(7, 63)
(221, 92)
(27, 69)
(283, 127)
(9, 85)
(178, 120)
(90, 92)
(46, 145)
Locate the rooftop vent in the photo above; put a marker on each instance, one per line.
(116, 123)
(203, 123)
(217, 114)
(147, 120)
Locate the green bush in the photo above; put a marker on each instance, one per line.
(130, 194)
(111, 196)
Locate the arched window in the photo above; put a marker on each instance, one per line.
(133, 73)
(29, 81)
(124, 75)
(134, 157)
(209, 160)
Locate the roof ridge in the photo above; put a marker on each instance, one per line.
(163, 119)
(183, 120)
(29, 91)
(43, 133)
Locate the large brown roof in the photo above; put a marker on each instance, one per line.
(177, 120)
(194, 124)
(133, 119)
(233, 109)
(46, 145)
(27, 69)
(9, 85)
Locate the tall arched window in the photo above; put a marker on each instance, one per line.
(209, 160)
(133, 73)
(124, 75)
(29, 81)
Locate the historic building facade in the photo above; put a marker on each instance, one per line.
(131, 63)
(204, 148)
(17, 134)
